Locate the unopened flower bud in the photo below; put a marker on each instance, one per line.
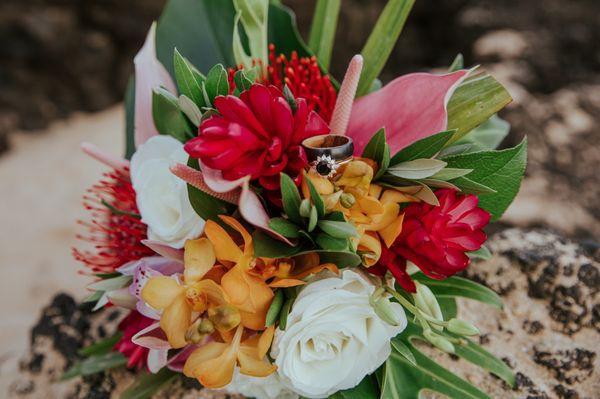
(438, 341)
(225, 317)
(305, 208)
(427, 303)
(347, 200)
(383, 309)
(462, 327)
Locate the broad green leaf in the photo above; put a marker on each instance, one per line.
(266, 246)
(146, 384)
(95, 364)
(468, 186)
(450, 173)
(488, 135)
(189, 79)
(290, 198)
(482, 253)
(217, 82)
(457, 64)
(378, 150)
(331, 243)
(316, 199)
(102, 346)
(205, 205)
(284, 227)
(382, 40)
(367, 389)
(474, 102)
(417, 169)
(275, 308)
(322, 31)
(460, 287)
(167, 116)
(424, 148)
(500, 170)
(338, 229)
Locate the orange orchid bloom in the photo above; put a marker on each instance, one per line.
(213, 364)
(290, 272)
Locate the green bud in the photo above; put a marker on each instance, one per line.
(438, 341)
(347, 200)
(383, 307)
(462, 327)
(305, 208)
(426, 302)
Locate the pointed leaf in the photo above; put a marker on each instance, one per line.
(378, 150)
(424, 148)
(147, 384)
(316, 198)
(167, 116)
(290, 197)
(482, 253)
(275, 308)
(217, 82)
(468, 186)
(457, 64)
(189, 79)
(284, 227)
(417, 169)
(460, 287)
(322, 32)
(205, 205)
(451, 173)
(331, 243)
(488, 135)
(338, 229)
(95, 364)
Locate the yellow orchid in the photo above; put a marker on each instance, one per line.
(213, 364)
(374, 210)
(290, 272)
(179, 299)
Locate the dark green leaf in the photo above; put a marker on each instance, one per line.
(101, 347)
(460, 287)
(146, 384)
(205, 205)
(424, 148)
(284, 227)
(338, 229)
(217, 82)
(328, 242)
(167, 116)
(379, 151)
(95, 364)
(488, 135)
(448, 306)
(285, 311)
(266, 246)
(242, 80)
(316, 199)
(336, 216)
(468, 186)
(382, 40)
(322, 32)
(367, 389)
(500, 170)
(474, 102)
(275, 308)
(189, 79)
(290, 198)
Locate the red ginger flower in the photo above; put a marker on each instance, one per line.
(257, 134)
(137, 356)
(115, 233)
(436, 238)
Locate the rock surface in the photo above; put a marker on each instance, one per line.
(548, 331)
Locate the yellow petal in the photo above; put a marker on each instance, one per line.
(217, 372)
(322, 184)
(395, 196)
(264, 343)
(224, 246)
(193, 364)
(286, 283)
(212, 291)
(236, 287)
(233, 223)
(375, 190)
(358, 217)
(392, 231)
(370, 205)
(175, 320)
(159, 292)
(198, 258)
(369, 242)
(250, 365)
(390, 213)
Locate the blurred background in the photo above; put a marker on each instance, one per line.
(64, 65)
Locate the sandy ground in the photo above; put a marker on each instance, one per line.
(42, 180)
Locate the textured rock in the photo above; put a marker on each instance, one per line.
(547, 337)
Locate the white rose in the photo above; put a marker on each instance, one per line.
(269, 387)
(162, 197)
(333, 337)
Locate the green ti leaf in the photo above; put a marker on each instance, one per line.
(322, 31)
(189, 79)
(95, 364)
(382, 40)
(501, 171)
(146, 384)
(486, 136)
(378, 150)
(476, 99)
(167, 116)
(424, 148)
(217, 83)
(453, 287)
(290, 197)
(205, 205)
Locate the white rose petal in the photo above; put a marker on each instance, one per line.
(333, 337)
(269, 387)
(162, 197)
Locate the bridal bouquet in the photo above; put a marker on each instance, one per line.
(274, 232)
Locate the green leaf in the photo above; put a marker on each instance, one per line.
(457, 64)
(254, 15)
(95, 364)
(340, 258)
(242, 80)
(338, 229)
(468, 186)
(313, 218)
(448, 306)
(239, 51)
(275, 308)
(284, 227)
(367, 389)
(285, 311)
(146, 384)
(290, 198)
(438, 183)
(189, 79)
(316, 199)
(217, 82)
(500, 170)
(205, 205)
(488, 135)
(477, 98)
(379, 151)
(482, 253)
(401, 348)
(417, 169)
(450, 173)
(101, 347)
(266, 246)
(322, 31)
(110, 284)
(382, 40)
(129, 118)
(190, 109)
(460, 287)
(424, 148)
(331, 243)
(167, 116)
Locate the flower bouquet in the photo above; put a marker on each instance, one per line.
(275, 232)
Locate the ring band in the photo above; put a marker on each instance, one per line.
(327, 152)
